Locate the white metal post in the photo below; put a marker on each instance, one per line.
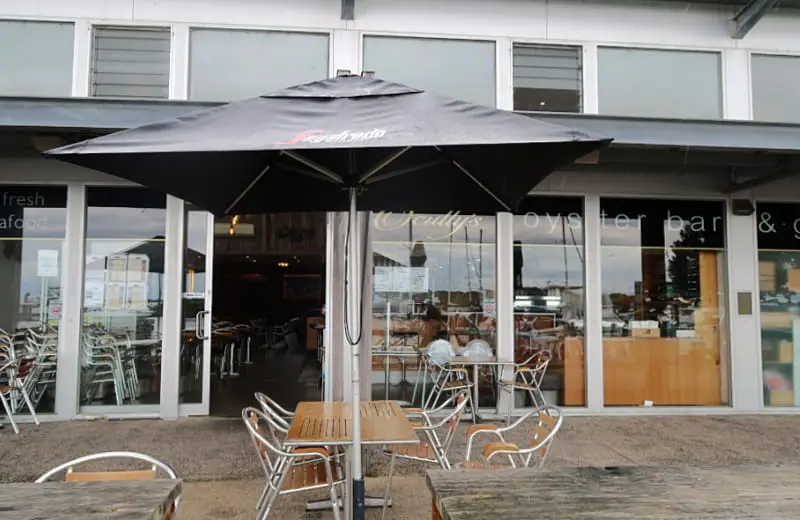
(172, 322)
(68, 370)
(593, 318)
(745, 334)
(504, 298)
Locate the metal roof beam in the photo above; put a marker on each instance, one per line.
(749, 15)
(348, 9)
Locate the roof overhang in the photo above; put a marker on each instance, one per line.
(98, 116)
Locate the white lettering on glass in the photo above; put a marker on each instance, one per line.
(19, 221)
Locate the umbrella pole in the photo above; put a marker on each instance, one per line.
(354, 304)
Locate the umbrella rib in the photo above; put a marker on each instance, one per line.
(331, 175)
(383, 163)
(248, 188)
(474, 179)
(402, 171)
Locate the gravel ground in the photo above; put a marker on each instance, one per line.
(217, 460)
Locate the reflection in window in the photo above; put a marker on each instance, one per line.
(779, 297)
(663, 303)
(433, 278)
(32, 231)
(123, 296)
(549, 295)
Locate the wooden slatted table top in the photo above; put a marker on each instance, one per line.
(128, 500)
(625, 493)
(328, 423)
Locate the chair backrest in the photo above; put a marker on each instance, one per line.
(263, 432)
(281, 415)
(548, 421)
(71, 474)
(452, 420)
(99, 476)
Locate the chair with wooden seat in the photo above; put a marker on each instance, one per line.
(545, 422)
(435, 448)
(447, 380)
(14, 383)
(527, 376)
(301, 469)
(151, 473)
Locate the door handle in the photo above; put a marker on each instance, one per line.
(198, 330)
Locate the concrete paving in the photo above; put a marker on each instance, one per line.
(217, 460)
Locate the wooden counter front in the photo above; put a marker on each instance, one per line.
(667, 371)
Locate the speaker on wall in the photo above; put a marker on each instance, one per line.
(742, 207)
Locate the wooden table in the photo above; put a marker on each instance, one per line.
(131, 500)
(329, 424)
(625, 493)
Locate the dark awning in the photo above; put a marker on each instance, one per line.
(89, 115)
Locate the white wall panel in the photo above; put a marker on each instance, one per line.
(670, 24)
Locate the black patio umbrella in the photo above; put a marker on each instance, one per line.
(335, 145)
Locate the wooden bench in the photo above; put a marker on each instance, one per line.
(625, 493)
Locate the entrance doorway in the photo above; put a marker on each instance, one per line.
(264, 328)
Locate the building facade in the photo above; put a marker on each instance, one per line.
(663, 268)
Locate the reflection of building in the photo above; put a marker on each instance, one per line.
(642, 232)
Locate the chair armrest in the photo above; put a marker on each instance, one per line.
(316, 452)
(477, 428)
(493, 448)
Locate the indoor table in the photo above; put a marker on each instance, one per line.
(476, 363)
(328, 424)
(621, 493)
(128, 500)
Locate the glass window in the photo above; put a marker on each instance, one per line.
(261, 62)
(32, 232)
(194, 302)
(433, 278)
(36, 58)
(659, 83)
(779, 291)
(123, 297)
(663, 304)
(775, 100)
(549, 293)
(547, 78)
(461, 69)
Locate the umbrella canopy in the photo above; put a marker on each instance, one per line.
(299, 149)
(334, 145)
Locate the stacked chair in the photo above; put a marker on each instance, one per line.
(111, 359)
(27, 370)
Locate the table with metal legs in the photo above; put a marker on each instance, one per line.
(476, 364)
(383, 422)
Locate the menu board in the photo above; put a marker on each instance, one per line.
(117, 281)
(401, 279)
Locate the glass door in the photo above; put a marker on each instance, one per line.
(195, 350)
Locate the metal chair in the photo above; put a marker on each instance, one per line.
(71, 475)
(302, 469)
(548, 422)
(14, 374)
(528, 378)
(435, 449)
